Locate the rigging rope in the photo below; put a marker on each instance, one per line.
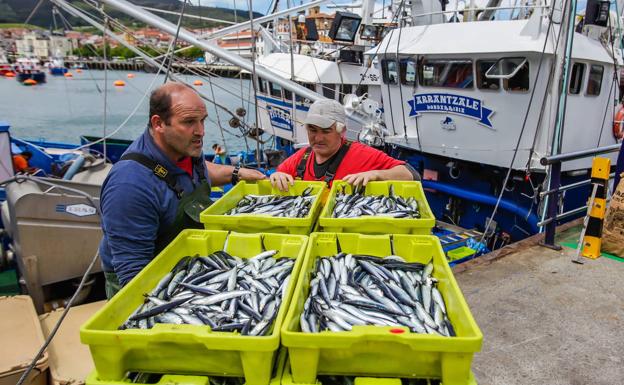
(173, 42)
(524, 124)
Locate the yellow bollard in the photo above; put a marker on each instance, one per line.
(601, 167)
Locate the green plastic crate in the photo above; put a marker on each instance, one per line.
(213, 218)
(188, 349)
(287, 379)
(460, 252)
(177, 379)
(379, 225)
(375, 350)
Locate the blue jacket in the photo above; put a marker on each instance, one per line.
(137, 208)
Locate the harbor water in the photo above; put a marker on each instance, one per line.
(64, 108)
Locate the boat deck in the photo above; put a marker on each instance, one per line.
(546, 320)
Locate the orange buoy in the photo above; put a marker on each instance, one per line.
(29, 82)
(130, 76)
(119, 83)
(198, 83)
(10, 74)
(68, 75)
(78, 70)
(618, 123)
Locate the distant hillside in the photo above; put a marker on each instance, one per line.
(16, 11)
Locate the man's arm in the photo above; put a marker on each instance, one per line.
(222, 174)
(130, 218)
(400, 172)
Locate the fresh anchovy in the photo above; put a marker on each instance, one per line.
(291, 206)
(358, 205)
(221, 291)
(384, 291)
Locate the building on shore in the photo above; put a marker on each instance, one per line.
(43, 45)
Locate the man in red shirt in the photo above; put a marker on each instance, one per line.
(330, 157)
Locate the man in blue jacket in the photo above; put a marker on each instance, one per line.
(160, 185)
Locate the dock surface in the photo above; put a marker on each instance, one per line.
(546, 320)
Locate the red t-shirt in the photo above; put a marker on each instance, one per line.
(186, 164)
(359, 158)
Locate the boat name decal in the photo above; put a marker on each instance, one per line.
(79, 210)
(280, 118)
(454, 104)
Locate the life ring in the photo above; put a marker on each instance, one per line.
(618, 123)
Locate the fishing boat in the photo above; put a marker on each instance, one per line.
(473, 115)
(29, 69)
(56, 65)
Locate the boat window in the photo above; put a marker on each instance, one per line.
(361, 89)
(506, 68)
(329, 91)
(408, 72)
(389, 71)
(483, 82)
(309, 86)
(262, 85)
(594, 83)
(454, 73)
(275, 89)
(520, 81)
(344, 90)
(287, 95)
(576, 78)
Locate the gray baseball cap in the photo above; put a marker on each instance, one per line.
(323, 113)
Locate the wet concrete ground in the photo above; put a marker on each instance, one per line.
(546, 320)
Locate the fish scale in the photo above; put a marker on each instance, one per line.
(226, 301)
(387, 292)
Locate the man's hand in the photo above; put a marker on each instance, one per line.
(362, 178)
(282, 181)
(250, 175)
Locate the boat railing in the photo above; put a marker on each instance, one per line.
(550, 220)
(480, 9)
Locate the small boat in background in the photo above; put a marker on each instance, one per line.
(56, 65)
(29, 68)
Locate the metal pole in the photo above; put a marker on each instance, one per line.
(246, 24)
(551, 227)
(148, 18)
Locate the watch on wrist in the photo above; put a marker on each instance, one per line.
(235, 174)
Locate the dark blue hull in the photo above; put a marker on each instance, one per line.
(58, 71)
(466, 193)
(39, 77)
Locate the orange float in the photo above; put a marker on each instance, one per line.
(29, 82)
(618, 123)
(10, 74)
(198, 83)
(119, 83)
(130, 76)
(68, 75)
(79, 70)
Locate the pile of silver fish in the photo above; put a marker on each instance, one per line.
(348, 290)
(291, 206)
(222, 291)
(357, 205)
